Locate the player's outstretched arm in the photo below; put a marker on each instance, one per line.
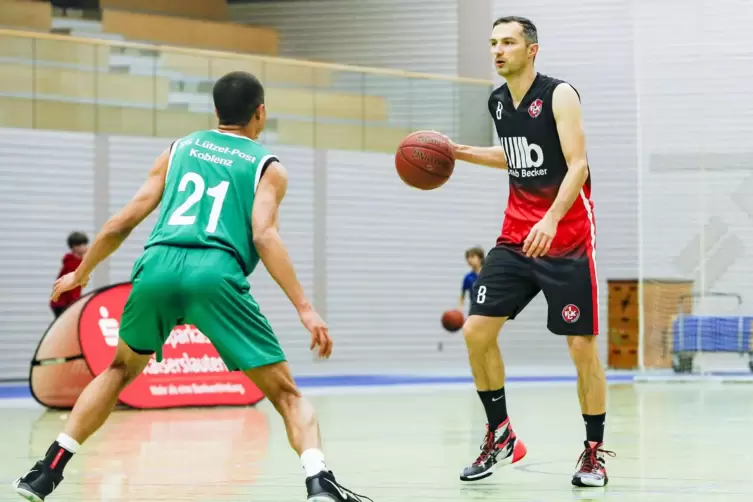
(490, 156)
(274, 253)
(119, 226)
(265, 224)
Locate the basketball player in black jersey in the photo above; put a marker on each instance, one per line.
(546, 244)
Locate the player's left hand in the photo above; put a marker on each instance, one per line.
(453, 146)
(66, 283)
(319, 332)
(540, 238)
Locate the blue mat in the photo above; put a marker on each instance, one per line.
(692, 333)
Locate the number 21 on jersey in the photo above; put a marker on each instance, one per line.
(216, 192)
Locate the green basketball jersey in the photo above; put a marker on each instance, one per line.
(209, 193)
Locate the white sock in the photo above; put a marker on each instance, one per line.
(68, 443)
(313, 462)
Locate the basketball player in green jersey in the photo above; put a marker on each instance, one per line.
(220, 191)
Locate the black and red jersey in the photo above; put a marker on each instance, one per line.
(536, 167)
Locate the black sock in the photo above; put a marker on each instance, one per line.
(495, 405)
(595, 427)
(57, 457)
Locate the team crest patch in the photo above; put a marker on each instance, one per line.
(570, 313)
(535, 109)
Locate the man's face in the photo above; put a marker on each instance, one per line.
(509, 48)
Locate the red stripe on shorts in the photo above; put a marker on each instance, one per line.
(591, 253)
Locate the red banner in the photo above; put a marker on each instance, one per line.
(190, 374)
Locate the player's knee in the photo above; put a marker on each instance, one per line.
(283, 395)
(583, 349)
(478, 333)
(126, 372)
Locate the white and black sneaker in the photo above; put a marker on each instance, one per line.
(592, 469)
(501, 447)
(38, 483)
(324, 488)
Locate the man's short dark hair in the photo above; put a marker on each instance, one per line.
(77, 239)
(530, 33)
(237, 96)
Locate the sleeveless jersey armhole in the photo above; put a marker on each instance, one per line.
(263, 164)
(170, 159)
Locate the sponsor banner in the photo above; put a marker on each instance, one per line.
(191, 373)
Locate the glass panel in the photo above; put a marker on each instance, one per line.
(290, 96)
(128, 91)
(472, 123)
(139, 90)
(341, 109)
(64, 85)
(432, 106)
(16, 74)
(187, 106)
(389, 117)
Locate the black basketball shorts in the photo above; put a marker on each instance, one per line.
(509, 280)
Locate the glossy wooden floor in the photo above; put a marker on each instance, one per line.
(673, 442)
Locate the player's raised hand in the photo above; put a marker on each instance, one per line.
(319, 332)
(66, 283)
(540, 237)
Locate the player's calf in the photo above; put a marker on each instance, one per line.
(302, 426)
(591, 468)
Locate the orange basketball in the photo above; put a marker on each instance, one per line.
(452, 320)
(424, 160)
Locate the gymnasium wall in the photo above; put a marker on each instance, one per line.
(386, 262)
(421, 35)
(696, 118)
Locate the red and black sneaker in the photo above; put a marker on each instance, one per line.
(591, 469)
(501, 447)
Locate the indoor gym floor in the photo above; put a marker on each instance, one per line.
(681, 441)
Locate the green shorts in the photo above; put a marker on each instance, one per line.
(203, 287)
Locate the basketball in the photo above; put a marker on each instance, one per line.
(453, 320)
(424, 160)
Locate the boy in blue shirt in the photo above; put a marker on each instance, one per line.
(475, 258)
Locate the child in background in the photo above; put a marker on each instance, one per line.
(78, 243)
(475, 258)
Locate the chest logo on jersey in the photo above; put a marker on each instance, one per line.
(535, 109)
(523, 158)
